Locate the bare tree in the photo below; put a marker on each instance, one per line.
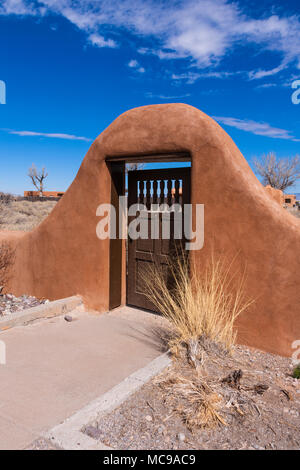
(37, 178)
(134, 166)
(280, 173)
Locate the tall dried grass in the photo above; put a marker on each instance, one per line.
(204, 304)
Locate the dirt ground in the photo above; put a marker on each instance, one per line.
(258, 406)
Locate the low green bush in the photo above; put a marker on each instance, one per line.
(296, 373)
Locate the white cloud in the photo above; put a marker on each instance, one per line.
(275, 34)
(45, 134)
(162, 54)
(133, 64)
(100, 41)
(191, 77)
(253, 75)
(203, 32)
(268, 85)
(257, 128)
(166, 97)
(17, 7)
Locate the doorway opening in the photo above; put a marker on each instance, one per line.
(160, 186)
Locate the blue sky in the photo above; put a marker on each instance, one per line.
(71, 67)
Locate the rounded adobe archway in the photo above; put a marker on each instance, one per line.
(63, 256)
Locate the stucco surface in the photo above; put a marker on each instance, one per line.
(276, 194)
(63, 256)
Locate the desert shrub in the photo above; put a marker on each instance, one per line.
(5, 201)
(7, 254)
(24, 215)
(205, 304)
(6, 198)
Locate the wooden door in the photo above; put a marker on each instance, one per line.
(152, 188)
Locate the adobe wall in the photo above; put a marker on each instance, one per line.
(63, 256)
(276, 194)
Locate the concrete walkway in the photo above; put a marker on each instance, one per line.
(54, 368)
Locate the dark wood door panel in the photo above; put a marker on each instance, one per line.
(169, 186)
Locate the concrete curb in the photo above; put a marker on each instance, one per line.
(51, 309)
(69, 436)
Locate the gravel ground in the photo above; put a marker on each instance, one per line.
(260, 408)
(10, 304)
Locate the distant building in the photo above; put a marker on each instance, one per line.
(56, 194)
(290, 200)
(286, 200)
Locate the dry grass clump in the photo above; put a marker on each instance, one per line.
(24, 215)
(202, 307)
(204, 304)
(198, 404)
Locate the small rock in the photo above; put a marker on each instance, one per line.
(181, 437)
(256, 447)
(148, 418)
(68, 318)
(93, 432)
